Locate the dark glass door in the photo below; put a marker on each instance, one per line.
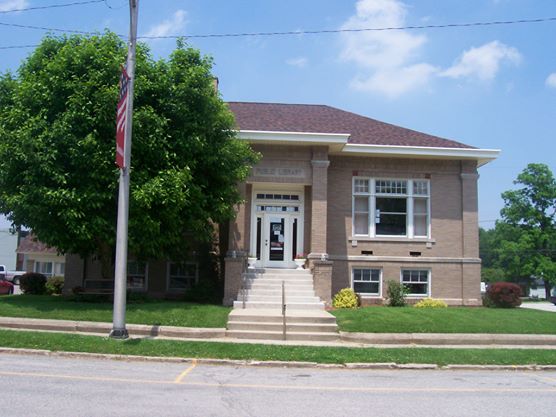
(277, 239)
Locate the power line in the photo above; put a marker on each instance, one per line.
(316, 32)
(52, 6)
(285, 33)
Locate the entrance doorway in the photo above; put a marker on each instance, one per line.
(277, 228)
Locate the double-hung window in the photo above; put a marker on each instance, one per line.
(366, 281)
(137, 275)
(182, 275)
(417, 281)
(391, 207)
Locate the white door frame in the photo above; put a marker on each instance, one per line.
(265, 219)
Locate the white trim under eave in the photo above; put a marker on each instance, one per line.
(297, 137)
(482, 156)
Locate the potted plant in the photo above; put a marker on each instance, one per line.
(251, 260)
(299, 260)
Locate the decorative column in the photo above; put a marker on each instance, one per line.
(319, 204)
(471, 266)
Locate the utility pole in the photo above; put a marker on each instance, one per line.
(119, 330)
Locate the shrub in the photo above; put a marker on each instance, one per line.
(33, 283)
(54, 285)
(345, 298)
(504, 294)
(431, 303)
(206, 291)
(396, 294)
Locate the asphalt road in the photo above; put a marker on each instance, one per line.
(59, 387)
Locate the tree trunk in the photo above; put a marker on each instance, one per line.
(547, 288)
(106, 258)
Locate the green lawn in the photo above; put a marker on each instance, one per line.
(191, 349)
(165, 313)
(446, 320)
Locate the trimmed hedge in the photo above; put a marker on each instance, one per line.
(504, 295)
(33, 283)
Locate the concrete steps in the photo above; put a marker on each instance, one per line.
(268, 325)
(260, 316)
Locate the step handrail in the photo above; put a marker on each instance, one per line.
(283, 310)
(243, 289)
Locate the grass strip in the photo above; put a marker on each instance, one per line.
(446, 320)
(217, 350)
(159, 312)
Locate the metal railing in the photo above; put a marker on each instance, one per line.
(284, 310)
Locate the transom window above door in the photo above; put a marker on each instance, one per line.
(284, 197)
(391, 207)
(274, 209)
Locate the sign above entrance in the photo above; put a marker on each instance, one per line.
(279, 172)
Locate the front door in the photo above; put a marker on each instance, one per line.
(277, 240)
(277, 228)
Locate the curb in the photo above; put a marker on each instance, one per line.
(276, 364)
(100, 327)
(442, 339)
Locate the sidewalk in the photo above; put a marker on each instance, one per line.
(345, 339)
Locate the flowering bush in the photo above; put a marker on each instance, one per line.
(504, 294)
(345, 298)
(430, 303)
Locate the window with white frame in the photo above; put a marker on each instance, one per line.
(391, 207)
(366, 281)
(417, 281)
(182, 275)
(137, 275)
(50, 269)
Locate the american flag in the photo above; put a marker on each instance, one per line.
(121, 120)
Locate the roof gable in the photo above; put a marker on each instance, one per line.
(325, 119)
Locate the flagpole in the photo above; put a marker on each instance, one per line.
(119, 330)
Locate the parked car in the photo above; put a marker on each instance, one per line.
(6, 287)
(12, 276)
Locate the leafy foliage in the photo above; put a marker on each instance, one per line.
(523, 244)
(345, 298)
(57, 147)
(54, 285)
(396, 294)
(504, 294)
(33, 283)
(430, 303)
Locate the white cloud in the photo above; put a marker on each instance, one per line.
(300, 62)
(551, 80)
(170, 26)
(7, 5)
(483, 62)
(394, 82)
(386, 59)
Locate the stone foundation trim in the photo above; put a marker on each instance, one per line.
(405, 259)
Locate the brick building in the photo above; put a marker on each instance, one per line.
(365, 201)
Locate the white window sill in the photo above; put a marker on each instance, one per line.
(391, 239)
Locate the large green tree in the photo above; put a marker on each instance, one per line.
(57, 147)
(527, 235)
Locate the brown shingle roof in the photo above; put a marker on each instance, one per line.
(30, 244)
(325, 119)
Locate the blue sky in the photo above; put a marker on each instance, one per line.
(489, 86)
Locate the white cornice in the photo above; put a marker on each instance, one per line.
(482, 156)
(338, 143)
(308, 137)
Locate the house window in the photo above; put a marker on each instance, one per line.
(182, 275)
(366, 281)
(384, 207)
(417, 281)
(50, 269)
(136, 275)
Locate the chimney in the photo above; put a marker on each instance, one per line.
(215, 84)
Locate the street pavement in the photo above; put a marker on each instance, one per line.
(67, 387)
(540, 305)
